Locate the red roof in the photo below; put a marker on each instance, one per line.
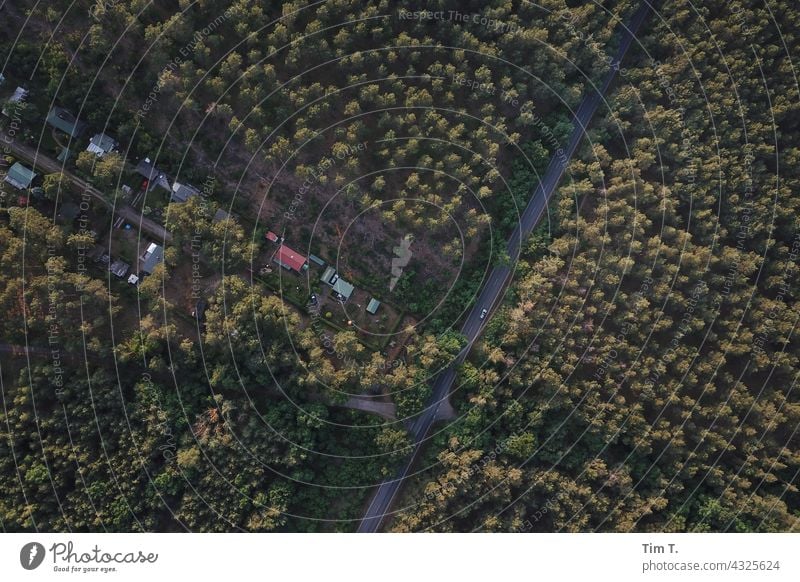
(272, 236)
(290, 258)
(22, 201)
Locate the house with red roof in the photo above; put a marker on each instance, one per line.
(271, 236)
(290, 259)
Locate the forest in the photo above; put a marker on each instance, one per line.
(641, 375)
(638, 375)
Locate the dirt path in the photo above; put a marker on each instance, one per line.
(42, 163)
(384, 409)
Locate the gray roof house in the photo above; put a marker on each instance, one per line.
(154, 176)
(373, 305)
(152, 257)
(19, 96)
(101, 144)
(316, 260)
(220, 215)
(341, 287)
(119, 268)
(329, 275)
(20, 177)
(182, 192)
(64, 121)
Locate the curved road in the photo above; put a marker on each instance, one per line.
(387, 490)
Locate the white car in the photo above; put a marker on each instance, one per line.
(483, 313)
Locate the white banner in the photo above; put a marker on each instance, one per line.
(399, 557)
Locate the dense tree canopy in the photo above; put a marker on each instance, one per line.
(638, 375)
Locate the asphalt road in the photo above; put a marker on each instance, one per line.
(536, 208)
